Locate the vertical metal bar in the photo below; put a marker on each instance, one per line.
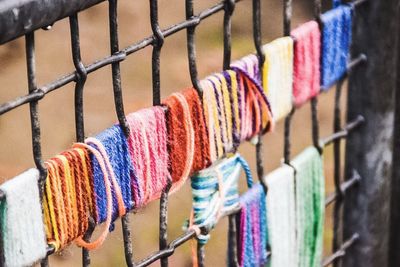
(34, 114)
(369, 149)
(191, 46)
(229, 7)
(157, 45)
(200, 255)
(119, 106)
(315, 123)
(79, 120)
(337, 174)
(261, 58)
(287, 19)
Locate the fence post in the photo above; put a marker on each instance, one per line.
(394, 242)
(369, 149)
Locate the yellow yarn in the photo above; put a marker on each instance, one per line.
(278, 75)
(235, 99)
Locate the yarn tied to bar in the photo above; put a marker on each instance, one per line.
(148, 154)
(215, 192)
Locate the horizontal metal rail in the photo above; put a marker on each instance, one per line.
(341, 252)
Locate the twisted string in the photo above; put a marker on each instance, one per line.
(215, 192)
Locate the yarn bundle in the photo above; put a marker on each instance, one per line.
(310, 207)
(113, 147)
(306, 65)
(278, 75)
(215, 192)
(252, 250)
(23, 235)
(281, 214)
(235, 109)
(147, 144)
(336, 39)
(188, 142)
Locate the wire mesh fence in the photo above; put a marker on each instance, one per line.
(42, 14)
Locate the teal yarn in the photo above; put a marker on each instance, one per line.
(116, 146)
(215, 192)
(253, 234)
(310, 207)
(336, 41)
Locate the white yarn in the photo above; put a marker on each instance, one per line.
(281, 217)
(22, 223)
(278, 76)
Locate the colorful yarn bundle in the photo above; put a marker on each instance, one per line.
(235, 109)
(113, 148)
(249, 65)
(278, 75)
(21, 220)
(253, 234)
(189, 149)
(336, 40)
(306, 65)
(148, 154)
(68, 199)
(215, 192)
(281, 214)
(310, 202)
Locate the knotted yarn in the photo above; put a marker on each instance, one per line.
(189, 150)
(310, 206)
(149, 155)
(22, 224)
(253, 235)
(114, 145)
(281, 214)
(235, 109)
(278, 75)
(336, 41)
(215, 192)
(306, 65)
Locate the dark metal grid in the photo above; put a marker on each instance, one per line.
(35, 94)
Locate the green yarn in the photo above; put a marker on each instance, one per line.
(310, 202)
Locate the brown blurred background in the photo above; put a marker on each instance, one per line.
(57, 108)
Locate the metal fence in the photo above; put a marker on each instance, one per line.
(366, 114)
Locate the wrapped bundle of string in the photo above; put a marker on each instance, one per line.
(281, 214)
(306, 65)
(310, 206)
(215, 193)
(250, 66)
(253, 228)
(113, 147)
(235, 108)
(22, 228)
(189, 149)
(69, 198)
(148, 154)
(336, 41)
(278, 75)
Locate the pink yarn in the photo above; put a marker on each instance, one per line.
(148, 149)
(306, 71)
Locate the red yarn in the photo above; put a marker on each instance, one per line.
(177, 134)
(306, 69)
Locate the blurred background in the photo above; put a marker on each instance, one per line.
(54, 59)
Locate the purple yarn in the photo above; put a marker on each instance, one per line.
(253, 228)
(116, 146)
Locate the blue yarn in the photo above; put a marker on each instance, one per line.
(255, 253)
(205, 191)
(336, 3)
(336, 40)
(116, 146)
